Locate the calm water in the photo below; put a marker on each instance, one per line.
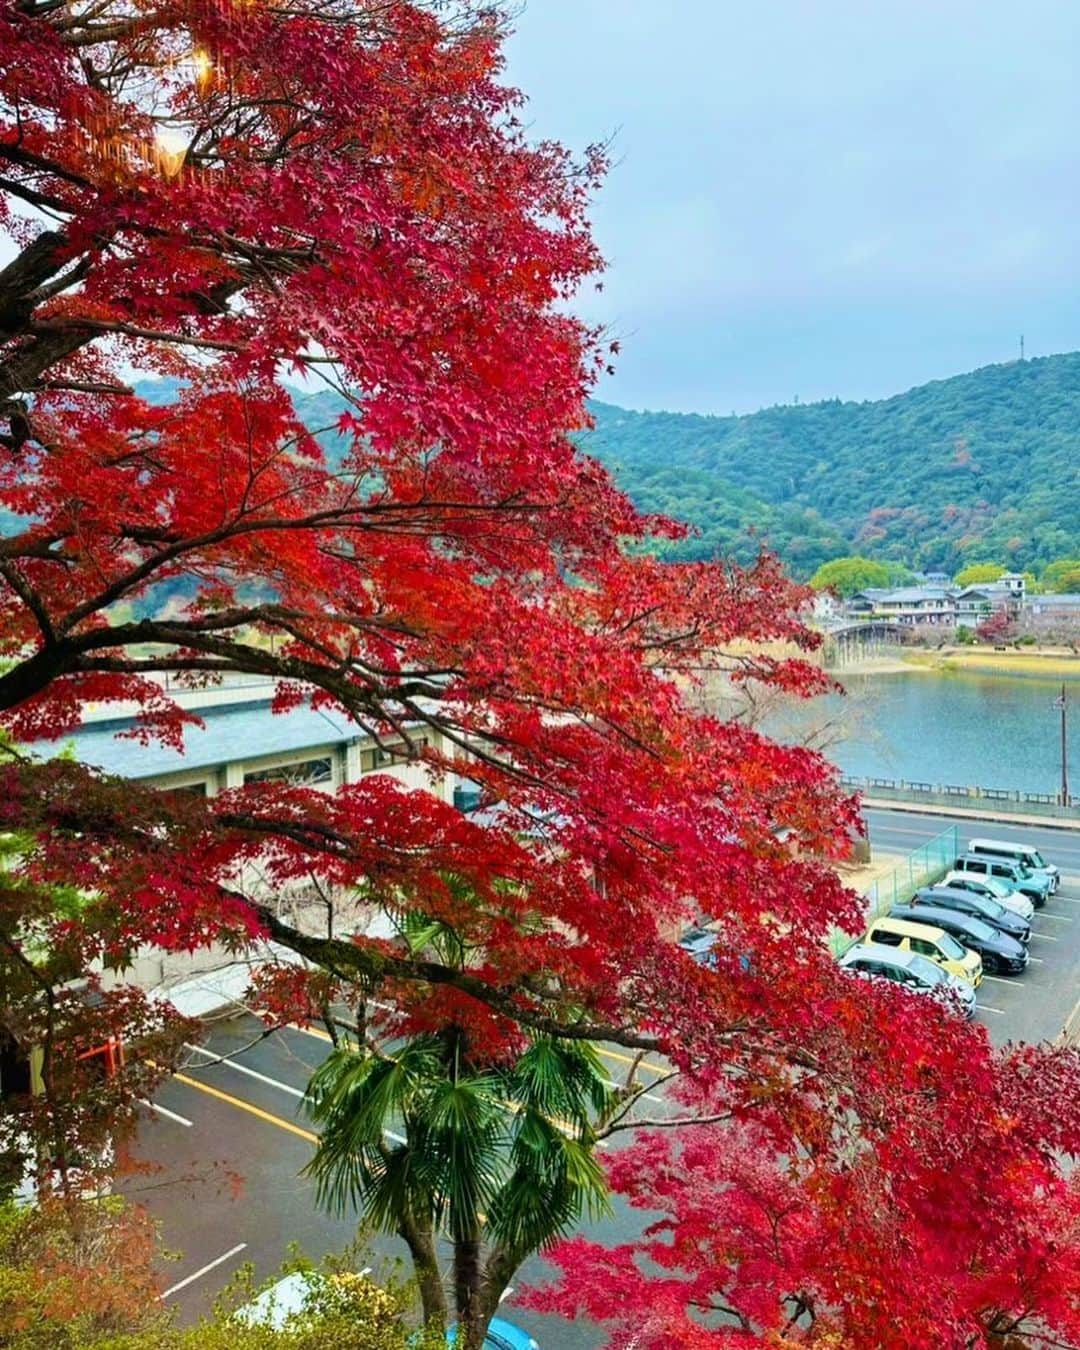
(995, 731)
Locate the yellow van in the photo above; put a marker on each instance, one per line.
(941, 947)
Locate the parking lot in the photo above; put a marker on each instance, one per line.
(1036, 1005)
(229, 1141)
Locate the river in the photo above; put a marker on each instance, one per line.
(996, 731)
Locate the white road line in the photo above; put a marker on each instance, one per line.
(996, 979)
(164, 1111)
(985, 1007)
(242, 1068)
(1043, 938)
(1036, 960)
(271, 1082)
(1061, 918)
(1072, 899)
(205, 1270)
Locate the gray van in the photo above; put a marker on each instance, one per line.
(1035, 885)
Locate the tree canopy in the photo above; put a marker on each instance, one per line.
(975, 573)
(214, 193)
(1062, 575)
(848, 575)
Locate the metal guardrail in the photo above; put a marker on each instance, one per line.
(921, 868)
(902, 789)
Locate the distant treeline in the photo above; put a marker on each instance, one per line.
(985, 465)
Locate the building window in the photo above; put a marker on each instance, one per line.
(395, 752)
(191, 789)
(300, 773)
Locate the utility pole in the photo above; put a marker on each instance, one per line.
(1062, 704)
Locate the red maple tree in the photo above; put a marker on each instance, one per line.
(219, 193)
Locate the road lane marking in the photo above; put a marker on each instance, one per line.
(164, 1111)
(1061, 918)
(1037, 960)
(310, 1031)
(204, 1270)
(985, 1007)
(241, 1068)
(629, 1059)
(996, 979)
(1043, 938)
(258, 1112)
(242, 1105)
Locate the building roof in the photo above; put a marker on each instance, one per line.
(903, 594)
(1067, 600)
(245, 732)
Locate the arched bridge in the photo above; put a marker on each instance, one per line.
(866, 630)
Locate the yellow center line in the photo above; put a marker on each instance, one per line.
(629, 1059)
(242, 1105)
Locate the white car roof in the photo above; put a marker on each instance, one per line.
(274, 1306)
(879, 951)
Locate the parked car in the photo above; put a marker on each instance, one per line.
(917, 974)
(501, 1335)
(981, 906)
(1027, 855)
(1035, 885)
(998, 890)
(698, 943)
(999, 952)
(928, 940)
(291, 1295)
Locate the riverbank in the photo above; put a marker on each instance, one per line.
(1048, 662)
(893, 664)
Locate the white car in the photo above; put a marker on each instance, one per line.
(993, 890)
(917, 974)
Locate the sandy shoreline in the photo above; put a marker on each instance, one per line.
(1056, 664)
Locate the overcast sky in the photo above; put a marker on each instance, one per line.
(819, 197)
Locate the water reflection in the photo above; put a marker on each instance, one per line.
(995, 731)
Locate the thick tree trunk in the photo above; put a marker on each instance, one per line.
(467, 1276)
(498, 1272)
(420, 1239)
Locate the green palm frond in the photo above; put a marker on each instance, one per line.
(466, 1133)
(562, 1080)
(545, 1196)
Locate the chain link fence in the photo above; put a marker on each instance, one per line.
(925, 866)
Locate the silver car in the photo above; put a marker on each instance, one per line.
(917, 974)
(993, 889)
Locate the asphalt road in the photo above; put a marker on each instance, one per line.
(228, 1141)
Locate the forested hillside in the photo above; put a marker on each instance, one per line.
(985, 465)
(980, 466)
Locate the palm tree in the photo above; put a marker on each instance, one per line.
(426, 1140)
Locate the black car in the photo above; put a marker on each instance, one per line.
(981, 906)
(999, 952)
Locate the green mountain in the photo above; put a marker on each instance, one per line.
(980, 466)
